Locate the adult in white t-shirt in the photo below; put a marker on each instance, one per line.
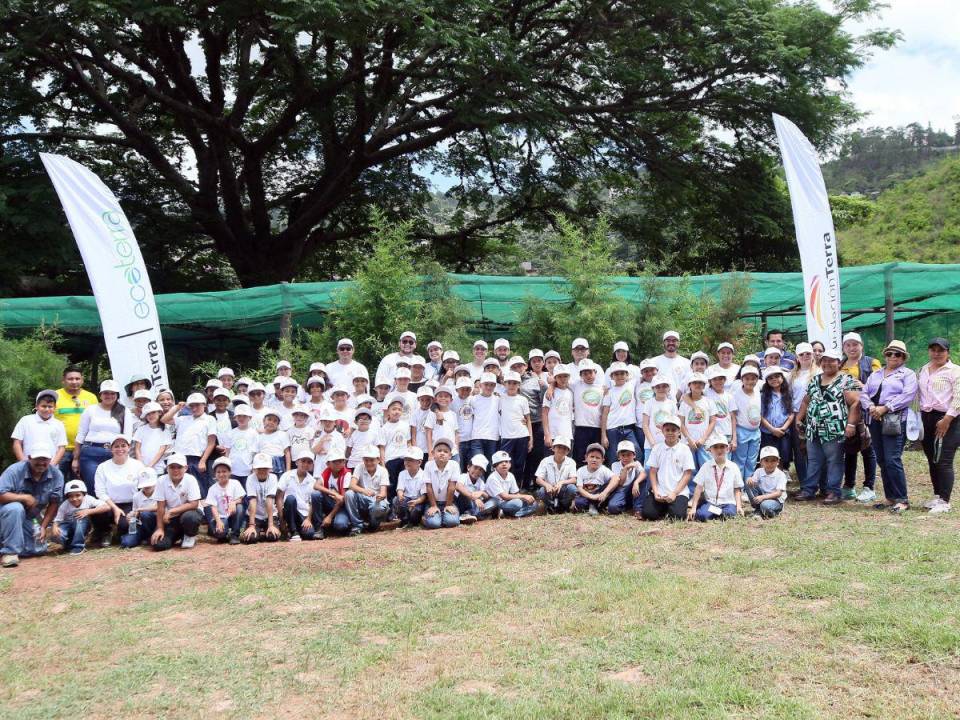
(671, 363)
(388, 366)
(726, 365)
(345, 369)
(115, 483)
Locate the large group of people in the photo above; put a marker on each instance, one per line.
(440, 441)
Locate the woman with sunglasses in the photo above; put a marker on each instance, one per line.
(889, 391)
(939, 407)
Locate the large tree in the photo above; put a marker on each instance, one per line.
(273, 126)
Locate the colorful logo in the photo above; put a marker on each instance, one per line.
(626, 397)
(814, 305)
(592, 398)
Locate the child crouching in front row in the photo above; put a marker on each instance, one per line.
(767, 487)
(503, 491)
(718, 483)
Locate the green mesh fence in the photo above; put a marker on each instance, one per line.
(926, 300)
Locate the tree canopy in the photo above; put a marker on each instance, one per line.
(264, 131)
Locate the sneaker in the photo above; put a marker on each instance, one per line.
(943, 507)
(866, 496)
(77, 550)
(10, 561)
(391, 524)
(188, 541)
(899, 508)
(832, 499)
(804, 497)
(931, 504)
(468, 519)
(848, 494)
(592, 511)
(295, 537)
(234, 540)
(355, 531)
(105, 541)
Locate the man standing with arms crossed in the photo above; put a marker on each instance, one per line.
(71, 401)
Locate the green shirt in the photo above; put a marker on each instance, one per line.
(827, 408)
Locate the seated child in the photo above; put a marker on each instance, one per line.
(503, 491)
(301, 503)
(332, 485)
(142, 520)
(767, 487)
(593, 482)
(71, 524)
(631, 479)
(366, 500)
(471, 495)
(261, 502)
(718, 483)
(556, 477)
(440, 481)
(411, 494)
(225, 504)
(671, 467)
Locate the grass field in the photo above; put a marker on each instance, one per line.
(833, 613)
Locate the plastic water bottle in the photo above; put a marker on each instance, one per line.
(132, 525)
(38, 546)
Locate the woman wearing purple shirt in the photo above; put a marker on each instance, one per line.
(891, 389)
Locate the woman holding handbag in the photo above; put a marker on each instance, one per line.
(886, 396)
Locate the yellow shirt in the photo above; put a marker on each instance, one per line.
(70, 408)
(853, 370)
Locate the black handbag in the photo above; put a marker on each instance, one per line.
(891, 425)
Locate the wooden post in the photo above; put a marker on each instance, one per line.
(763, 328)
(888, 302)
(285, 328)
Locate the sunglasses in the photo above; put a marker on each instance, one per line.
(893, 353)
(346, 347)
(406, 342)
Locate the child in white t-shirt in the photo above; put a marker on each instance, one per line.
(557, 413)
(471, 493)
(395, 441)
(722, 402)
(366, 501)
(654, 412)
(224, 504)
(71, 524)
(593, 482)
(767, 487)
(275, 442)
(502, 489)
(360, 438)
(241, 443)
(142, 519)
(441, 423)
(327, 440)
(418, 419)
(556, 477)
(463, 407)
(40, 428)
(696, 416)
(618, 414)
(719, 484)
(515, 430)
(261, 502)
(670, 469)
(301, 434)
(486, 417)
(745, 447)
(152, 439)
(411, 493)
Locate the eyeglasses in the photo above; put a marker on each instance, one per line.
(344, 347)
(893, 353)
(406, 342)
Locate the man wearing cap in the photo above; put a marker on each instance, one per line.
(388, 366)
(40, 428)
(859, 367)
(342, 372)
(31, 490)
(71, 401)
(501, 350)
(670, 363)
(580, 350)
(774, 339)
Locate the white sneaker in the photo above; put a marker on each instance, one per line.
(11, 560)
(295, 537)
(467, 519)
(931, 504)
(866, 496)
(188, 541)
(943, 507)
(592, 510)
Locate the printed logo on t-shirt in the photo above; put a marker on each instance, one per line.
(721, 408)
(753, 415)
(625, 397)
(696, 416)
(591, 397)
(659, 416)
(646, 394)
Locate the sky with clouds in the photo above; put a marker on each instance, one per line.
(919, 79)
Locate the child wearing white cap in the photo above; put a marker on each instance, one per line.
(301, 503)
(178, 500)
(72, 521)
(515, 430)
(441, 422)
(152, 439)
(40, 427)
(359, 439)
(195, 436)
(556, 477)
(588, 393)
(224, 506)
(408, 505)
(366, 500)
(747, 414)
(472, 496)
(333, 484)
(440, 482)
(261, 502)
(593, 482)
(418, 419)
(462, 405)
(327, 440)
(631, 478)
(671, 467)
(486, 418)
(718, 483)
(142, 520)
(558, 407)
(618, 414)
(722, 402)
(697, 417)
(767, 487)
(662, 406)
(395, 439)
(275, 442)
(241, 443)
(503, 492)
(301, 433)
(776, 414)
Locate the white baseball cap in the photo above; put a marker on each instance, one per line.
(728, 346)
(41, 450)
(516, 360)
(511, 376)
(304, 453)
(450, 355)
(853, 336)
(284, 364)
(425, 391)
(551, 354)
(222, 461)
(561, 370)
(580, 342)
(648, 363)
(700, 355)
(110, 386)
(344, 341)
(256, 387)
(749, 370)
(618, 366)
(122, 436)
(317, 366)
(480, 343)
(586, 364)
(74, 486)
(488, 378)
(659, 380)
(417, 360)
(315, 380)
(444, 389)
(773, 370)
(501, 342)
(535, 353)
(434, 343)
(244, 381)
(491, 362)
(833, 354)
(225, 371)
(150, 407)
(146, 478)
(143, 395)
(299, 410)
(500, 456)
(408, 334)
(221, 392)
(621, 345)
(803, 347)
(479, 460)
(213, 383)
(773, 351)
(413, 453)
(671, 334)
(180, 459)
(715, 372)
(401, 373)
(671, 420)
(626, 446)
(335, 454)
(443, 441)
(465, 382)
(370, 451)
(769, 451)
(196, 399)
(243, 410)
(717, 439)
(697, 377)
(562, 440)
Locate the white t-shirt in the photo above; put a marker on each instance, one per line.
(747, 407)
(442, 481)
(151, 439)
(358, 440)
(380, 478)
(32, 429)
(722, 404)
(674, 368)
(411, 485)
(657, 411)
(97, 426)
(273, 444)
(730, 373)
(719, 481)
(302, 488)
(325, 443)
(471, 484)
(395, 437)
(586, 403)
(601, 476)
(617, 467)
(419, 421)
(300, 438)
(552, 473)
(220, 497)
(671, 463)
(67, 512)
(409, 400)
(446, 430)
(142, 502)
(342, 375)
(513, 410)
(621, 399)
(192, 433)
(561, 412)
(768, 483)
(497, 484)
(486, 417)
(464, 411)
(223, 423)
(798, 388)
(242, 445)
(696, 415)
(186, 491)
(118, 482)
(261, 491)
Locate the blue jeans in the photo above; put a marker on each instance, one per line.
(617, 434)
(90, 458)
(748, 448)
(231, 524)
(820, 455)
(517, 447)
(465, 451)
(448, 517)
(16, 530)
(561, 501)
(203, 478)
(325, 503)
(583, 437)
(483, 447)
(784, 446)
(73, 533)
(580, 503)
(146, 525)
(799, 454)
(727, 510)
(407, 514)
(516, 508)
(889, 452)
(641, 497)
(365, 508)
(467, 506)
(394, 468)
(66, 466)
